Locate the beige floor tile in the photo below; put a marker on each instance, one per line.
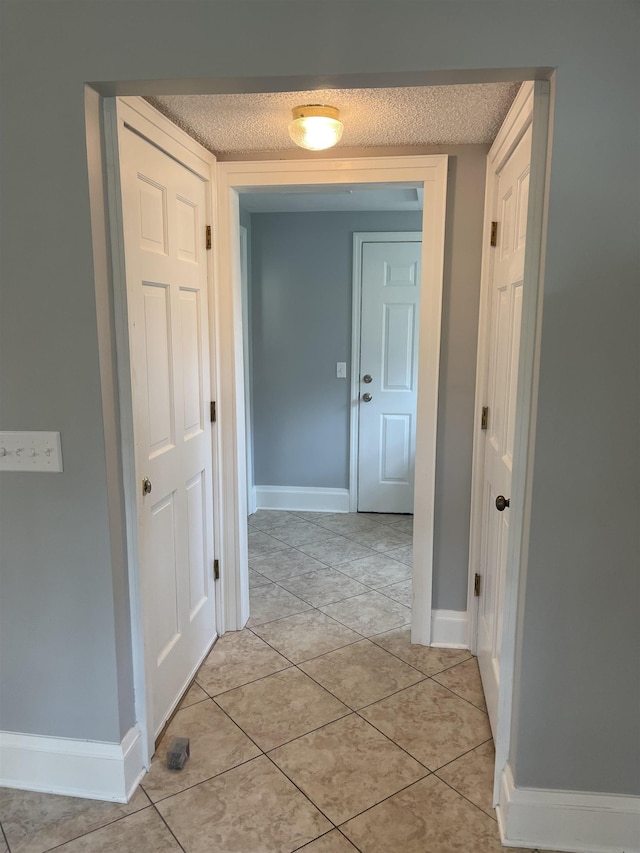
(141, 832)
(194, 694)
(403, 525)
(266, 519)
(272, 602)
(281, 707)
(376, 571)
(306, 635)
(3, 847)
(370, 613)
(236, 659)
(252, 809)
(361, 674)
(288, 563)
(381, 538)
(323, 586)
(336, 550)
(298, 532)
(36, 822)
(217, 744)
(425, 658)
(403, 554)
(430, 722)
(344, 524)
(464, 679)
(332, 842)
(256, 579)
(401, 591)
(428, 817)
(472, 776)
(346, 767)
(262, 543)
(386, 517)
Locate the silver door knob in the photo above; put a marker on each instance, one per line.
(367, 398)
(502, 503)
(367, 378)
(146, 486)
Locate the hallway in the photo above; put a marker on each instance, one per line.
(318, 728)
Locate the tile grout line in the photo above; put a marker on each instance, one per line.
(158, 812)
(97, 828)
(4, 836)
(464, 797)
(307, 798)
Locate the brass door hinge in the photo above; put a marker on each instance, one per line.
(216, 570)
(494, 233)
(208, 236)
(484, 423)
(476, 586)
(213, 411)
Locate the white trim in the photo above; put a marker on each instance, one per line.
(359, 239)
(449, 629)
(234, 176)
(302, 499)
(246, 348)
(74, 768)
(140, 117)
(579, 822)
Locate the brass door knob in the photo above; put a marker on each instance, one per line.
(502, 503)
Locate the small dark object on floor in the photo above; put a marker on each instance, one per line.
(178, 753)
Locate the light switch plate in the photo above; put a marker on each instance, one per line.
(30, 451)
(341, 370)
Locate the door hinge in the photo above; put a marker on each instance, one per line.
(476, 586)
(216, 570)
(484, 423)
(208, 236)
(213, 412)
(494, 233)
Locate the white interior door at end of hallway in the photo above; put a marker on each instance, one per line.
(390, 305)
(164, 208)
(505, 293)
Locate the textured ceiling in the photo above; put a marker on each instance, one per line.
(418, 115)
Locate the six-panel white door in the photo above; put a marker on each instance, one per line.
(504, 346)
(389, 356)
(164, 207)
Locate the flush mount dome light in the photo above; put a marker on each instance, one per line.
(315, 126)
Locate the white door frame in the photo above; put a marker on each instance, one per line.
(144, 120)
(531, 107)
(430, 171)
(359, 238)
(246, 328)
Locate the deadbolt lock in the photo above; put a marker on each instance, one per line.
(367, 378)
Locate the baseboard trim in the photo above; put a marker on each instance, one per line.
(74, 768)
(251, 500)
(576, 822)
(449, 629)
(302, 499)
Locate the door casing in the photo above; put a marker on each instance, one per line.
(359, 238)
(427, 171)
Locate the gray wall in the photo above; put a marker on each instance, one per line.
(301, 319)
(577, 721)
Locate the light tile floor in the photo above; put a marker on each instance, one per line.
(318, 728)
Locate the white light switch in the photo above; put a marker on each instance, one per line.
(341, 370)
(30, 451)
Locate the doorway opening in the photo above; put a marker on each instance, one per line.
(330, 400)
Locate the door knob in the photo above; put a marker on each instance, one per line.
(146, 486)
(367, 378)
(367, 398)
(502, 503)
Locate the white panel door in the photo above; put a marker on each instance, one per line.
(164, 207)
(388, 375)
(504, 346)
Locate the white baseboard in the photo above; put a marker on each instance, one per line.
(449, 629)
(302, 499)
(567, 820)
(251, 501)
(75, 768)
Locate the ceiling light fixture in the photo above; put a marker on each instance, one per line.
(315, 126)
